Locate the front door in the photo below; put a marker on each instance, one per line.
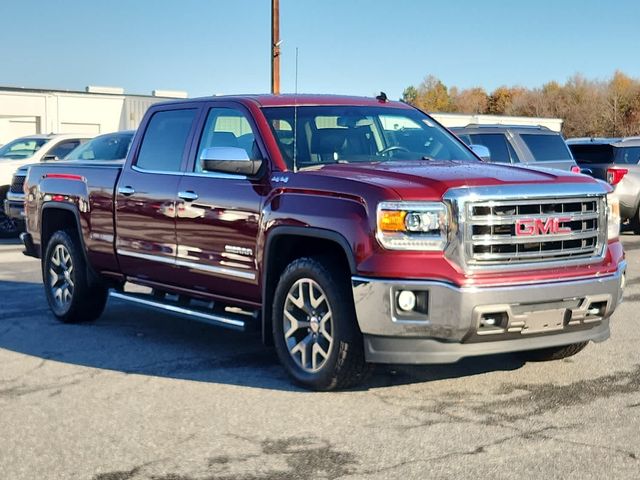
(218, 214)
(146, 197)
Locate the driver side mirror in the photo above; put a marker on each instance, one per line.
(483, 152)
(50, 158)
(229, 160)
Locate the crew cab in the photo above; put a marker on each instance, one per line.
(351, 231)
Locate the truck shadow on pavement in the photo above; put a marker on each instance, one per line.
(142, 341)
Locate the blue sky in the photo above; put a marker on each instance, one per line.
(345, 46)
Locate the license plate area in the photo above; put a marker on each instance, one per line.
(544, 321)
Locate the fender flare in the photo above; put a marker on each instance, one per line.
(74, 210)
(299, 231)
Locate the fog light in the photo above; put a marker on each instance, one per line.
(406, 300)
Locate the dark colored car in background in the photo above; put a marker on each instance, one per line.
(111, 146)
(614, 160)
(530, 145)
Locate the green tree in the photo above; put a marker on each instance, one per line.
(410, 95)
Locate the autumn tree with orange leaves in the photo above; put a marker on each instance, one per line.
(588, 107)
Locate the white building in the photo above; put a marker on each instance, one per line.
(462, 120)
(27, 111)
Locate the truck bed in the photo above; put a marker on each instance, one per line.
(83, 188)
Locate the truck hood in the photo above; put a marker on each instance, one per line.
(421, 179)
(8, 168)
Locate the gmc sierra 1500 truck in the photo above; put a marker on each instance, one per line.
(352, 231)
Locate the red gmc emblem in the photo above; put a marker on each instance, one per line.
(526, 227)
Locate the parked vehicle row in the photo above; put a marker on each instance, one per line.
(351, 231)
(21, 153)
(616, 161)
(534, 146)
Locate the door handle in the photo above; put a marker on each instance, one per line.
(126, 191)
(188, 196)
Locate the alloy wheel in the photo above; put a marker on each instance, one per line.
(308, 325)
(61, 276)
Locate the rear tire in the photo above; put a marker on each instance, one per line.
(553, 353)
(9, 227)
(315, 330)
(73, 294)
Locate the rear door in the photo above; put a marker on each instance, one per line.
(146, 195)
(218, 214)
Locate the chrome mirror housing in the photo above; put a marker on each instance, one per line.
(483, 152)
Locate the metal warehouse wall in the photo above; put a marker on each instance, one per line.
(25, 112)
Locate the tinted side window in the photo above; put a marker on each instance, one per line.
(628, 155)
(165, 140)
(227, 127)
(592, 154)
(546, 148)
(465, 138)
(497, 144)
(63, 149)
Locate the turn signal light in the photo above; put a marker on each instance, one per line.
(614, 175)
(575, 169)
(392, 220)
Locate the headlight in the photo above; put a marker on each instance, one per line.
(613, 218)
(413, 225)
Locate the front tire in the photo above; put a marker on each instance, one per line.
(73, 295)
(315, 331)
(553, 353)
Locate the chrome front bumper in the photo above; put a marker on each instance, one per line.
(14, 206)
(460, 322)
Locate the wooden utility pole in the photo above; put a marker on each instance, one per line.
(275, 47)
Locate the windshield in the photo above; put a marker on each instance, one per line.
(349, 134)
(21, 148)
(547, 148)
(105, 147)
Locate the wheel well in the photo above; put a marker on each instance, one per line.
(284, 249)
(54, 219)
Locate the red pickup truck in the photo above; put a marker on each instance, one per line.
(352, 231)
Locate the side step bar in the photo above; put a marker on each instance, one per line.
(206, 317)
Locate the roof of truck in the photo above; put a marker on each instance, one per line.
(290, 100)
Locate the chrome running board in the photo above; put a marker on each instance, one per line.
(202, 316)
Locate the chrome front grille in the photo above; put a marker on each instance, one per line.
(17, 184)
(511, 232)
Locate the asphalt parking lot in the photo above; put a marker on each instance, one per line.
(142, 395)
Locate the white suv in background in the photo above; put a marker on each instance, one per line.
(26, 150)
